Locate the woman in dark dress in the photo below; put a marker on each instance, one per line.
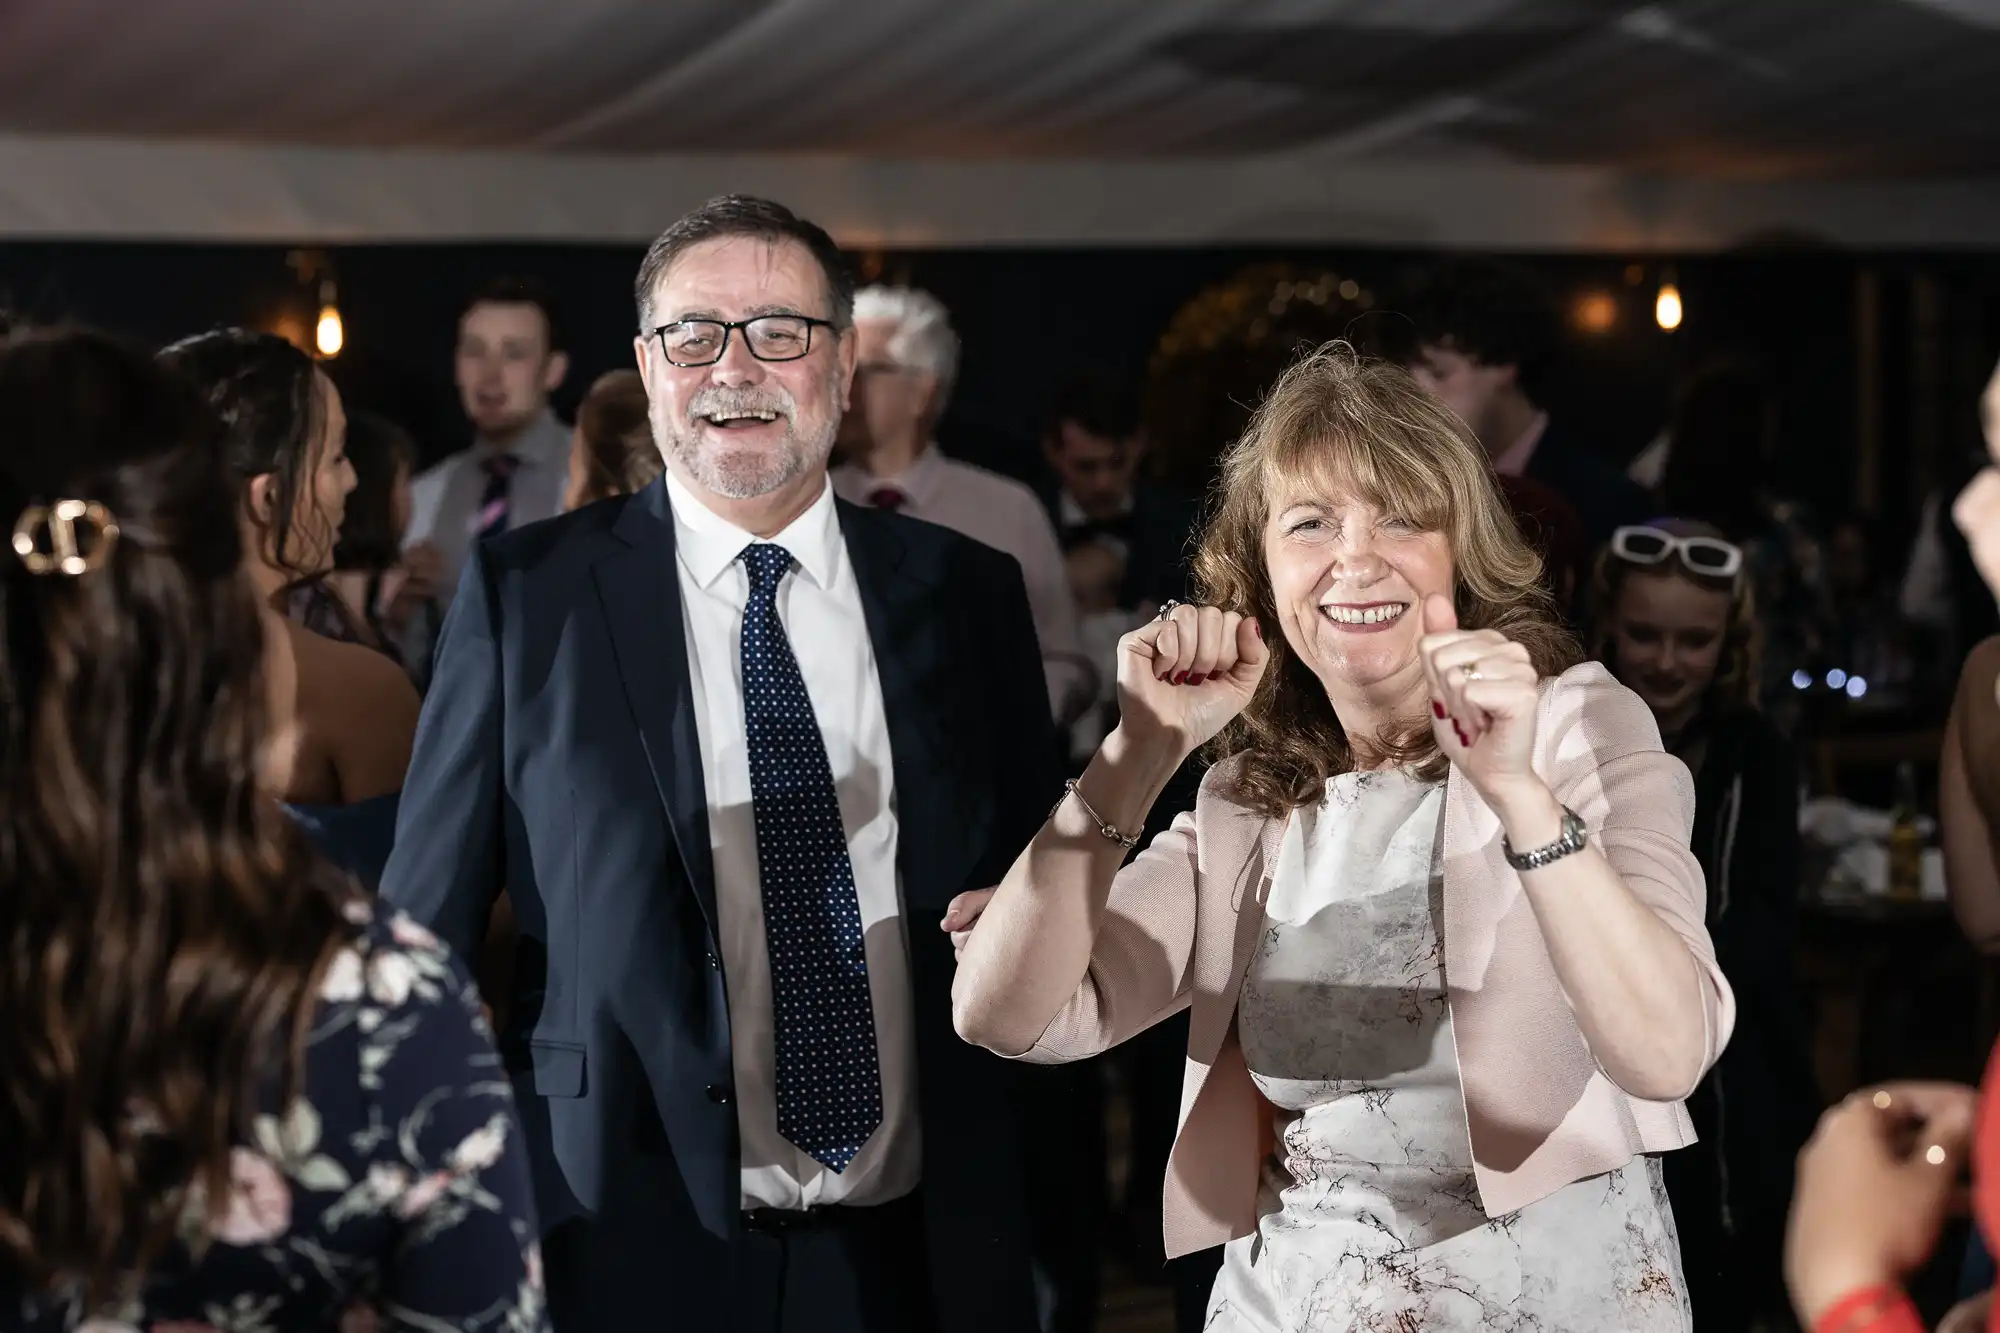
(351, 713)
(1678, 626)
(232, 1096)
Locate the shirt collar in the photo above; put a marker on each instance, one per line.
(1514, 462)
(709, 543)
(918, 482)
(543, 440)
(1069, 513)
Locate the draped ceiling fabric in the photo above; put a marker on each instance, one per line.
(1549, 124)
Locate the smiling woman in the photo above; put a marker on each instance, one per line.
(1346, 463)
(1436, 1053)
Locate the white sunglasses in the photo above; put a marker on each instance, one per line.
(1710, 557)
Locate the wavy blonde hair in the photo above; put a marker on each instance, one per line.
(1340, 423)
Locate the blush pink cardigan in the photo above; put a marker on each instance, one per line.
(1184, 916)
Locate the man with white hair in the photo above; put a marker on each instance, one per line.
(908, 361)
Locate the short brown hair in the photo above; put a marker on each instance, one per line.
(1338, 421)
(745, 215)
(616, 437)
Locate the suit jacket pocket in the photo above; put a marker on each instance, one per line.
(555, 1068)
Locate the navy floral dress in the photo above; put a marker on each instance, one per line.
(394, 1194)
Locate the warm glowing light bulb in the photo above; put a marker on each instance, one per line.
(1596, 312)
(330, 337)
(1667, 309)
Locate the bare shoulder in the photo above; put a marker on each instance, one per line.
(361, 708)
(1976, 678)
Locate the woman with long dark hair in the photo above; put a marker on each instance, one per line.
(352, 712)
(230, 1094)
(350, 602)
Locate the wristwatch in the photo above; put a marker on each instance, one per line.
(1574, 835)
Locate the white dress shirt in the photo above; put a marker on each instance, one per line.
(1007, 516)
(819, 604)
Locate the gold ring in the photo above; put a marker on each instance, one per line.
(1471, 672)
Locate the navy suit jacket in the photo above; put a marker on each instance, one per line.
(557, 756)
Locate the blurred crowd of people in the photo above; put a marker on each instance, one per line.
(258, 665)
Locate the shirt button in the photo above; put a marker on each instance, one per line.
(718, 1094)
(714, 962)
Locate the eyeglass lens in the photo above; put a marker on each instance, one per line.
(770, 338)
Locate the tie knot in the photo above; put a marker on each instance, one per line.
(767, 563)
(887, 497)
(501, 467)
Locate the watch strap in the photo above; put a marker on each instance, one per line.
(1575, 834)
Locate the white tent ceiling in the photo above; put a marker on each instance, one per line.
(1532, 123)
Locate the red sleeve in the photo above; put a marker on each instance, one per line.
(1871, 1310)
(1986, 1160)
(1898, 1318)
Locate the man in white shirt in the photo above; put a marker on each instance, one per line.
(507, 361)
(902, 382)
(731, 746)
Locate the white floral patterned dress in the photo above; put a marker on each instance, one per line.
(393, 1194)
(1369, 1216)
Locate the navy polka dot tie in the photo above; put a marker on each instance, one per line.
(829, 1084)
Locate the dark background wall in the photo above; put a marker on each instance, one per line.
(1875, 357)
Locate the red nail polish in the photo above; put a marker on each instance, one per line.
(1437, 710)
(1181, 678)
(1256, 629)
(1197, 678)
(1460, 733)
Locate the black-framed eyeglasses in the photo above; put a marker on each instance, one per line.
(702, 342)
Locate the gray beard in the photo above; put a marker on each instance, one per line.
(743, 474)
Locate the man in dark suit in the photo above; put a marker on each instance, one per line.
(1486, 337)
(1093, 444)
(731, 746)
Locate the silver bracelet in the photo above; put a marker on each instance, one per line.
(1107, 829)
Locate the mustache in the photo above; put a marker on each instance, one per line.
(714, 401)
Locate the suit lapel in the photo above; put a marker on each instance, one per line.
(642, 605)
(901, 605)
